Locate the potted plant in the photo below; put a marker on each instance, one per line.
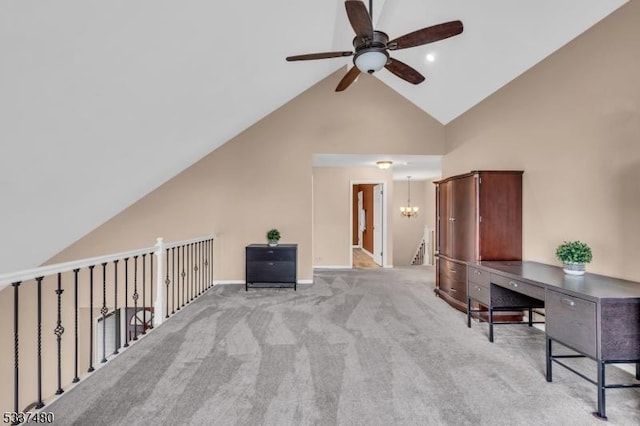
(273, 236)
(574, 255)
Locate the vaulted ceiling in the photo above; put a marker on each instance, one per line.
(101, 102)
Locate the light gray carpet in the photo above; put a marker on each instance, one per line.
(367, 347)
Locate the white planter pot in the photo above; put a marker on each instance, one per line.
(573, 268)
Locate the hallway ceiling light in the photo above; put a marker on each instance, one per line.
(385, 164)
(409, 211)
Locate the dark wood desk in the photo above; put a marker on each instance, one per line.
(596, 316)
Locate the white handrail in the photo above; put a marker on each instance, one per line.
(29, 274)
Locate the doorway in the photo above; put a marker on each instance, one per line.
(368, 233)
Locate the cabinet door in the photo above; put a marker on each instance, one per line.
(500, 232)
(444, 218)
(463, 218)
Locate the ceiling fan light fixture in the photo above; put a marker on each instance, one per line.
(371, 61)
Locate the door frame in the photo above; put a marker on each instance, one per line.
(385, 222)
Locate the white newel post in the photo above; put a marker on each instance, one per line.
(158, 306)
(427, 246)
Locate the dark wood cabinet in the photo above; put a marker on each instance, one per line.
(478, 217)
(268, 266)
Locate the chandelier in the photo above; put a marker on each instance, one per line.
(409, 211)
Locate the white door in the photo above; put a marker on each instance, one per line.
(361, 219)
(377, 224)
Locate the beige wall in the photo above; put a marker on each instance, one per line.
(332, 212)
(572, 124)
(262, 178)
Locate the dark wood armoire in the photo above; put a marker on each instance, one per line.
(478, 217)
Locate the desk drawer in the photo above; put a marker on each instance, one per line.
(518, 286)
(479, 291)
(271, 272)
(271, 253)
(478, 276)
(572, 321)
(454, 288)
(455, 271)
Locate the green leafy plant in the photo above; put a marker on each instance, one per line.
(574, 252)
(273, 234)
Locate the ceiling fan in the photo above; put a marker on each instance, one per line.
(371, 46)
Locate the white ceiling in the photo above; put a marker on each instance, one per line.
(419, 167)
(101, 102)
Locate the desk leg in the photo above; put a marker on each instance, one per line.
(469, 313)
(601, 413)
(638, 370)
(491, 324)
(530, 317)
(549, 362)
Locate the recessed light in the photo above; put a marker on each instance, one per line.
(430, 57)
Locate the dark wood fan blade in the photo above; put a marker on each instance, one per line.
(323, 55)
(426, 35)
(404, 71)
(348, 79)
(359, 18)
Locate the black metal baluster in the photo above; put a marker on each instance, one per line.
(212, 263)
(135, 297)
(206, 265)
(197, 269)
(173, 284)
(183, 275)
(167, 281)
(178, 276)
(116, 351)
(76, 379)
(152, 301)
(16, 350)
(144, 293)
(103, 312)
(190, 254)
(91, 319)
(201, 267)
(126, 302)
(40, 403)
(58, 331)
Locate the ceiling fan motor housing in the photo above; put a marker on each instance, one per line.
(371, 53)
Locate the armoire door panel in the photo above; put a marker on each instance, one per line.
(444, 224)
(464, 215)
(500, 203)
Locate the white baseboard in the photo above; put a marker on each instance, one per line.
(333, 267)
(226, 282)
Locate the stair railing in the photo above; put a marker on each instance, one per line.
(123, 296)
